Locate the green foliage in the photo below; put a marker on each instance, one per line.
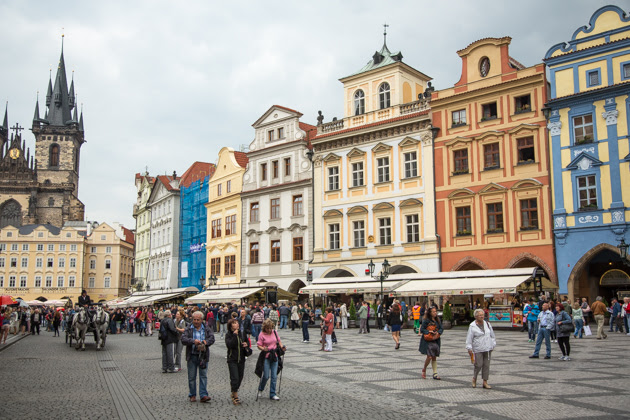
(447, 314)
(352, 311)
(374, 308)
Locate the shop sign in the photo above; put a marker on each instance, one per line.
(196, 248)
(54, 289)
(615, 278)
(17, 290)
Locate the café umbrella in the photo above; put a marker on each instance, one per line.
(7, 300)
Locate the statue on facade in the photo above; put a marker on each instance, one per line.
(320, 118)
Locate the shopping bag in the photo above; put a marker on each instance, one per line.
(587, 330)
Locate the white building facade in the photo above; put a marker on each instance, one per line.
(277, 238)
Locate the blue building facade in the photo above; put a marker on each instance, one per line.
(193, 224)
(589, 113)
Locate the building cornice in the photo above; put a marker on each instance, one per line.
(277, 187)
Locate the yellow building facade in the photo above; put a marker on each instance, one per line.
(374, 173)
(224, 212)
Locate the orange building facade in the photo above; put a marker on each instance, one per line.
(492, 177)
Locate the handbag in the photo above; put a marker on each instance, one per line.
(279, 350)
(587, 330)
(431, 337)
(566, 328)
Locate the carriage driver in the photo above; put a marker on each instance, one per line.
(84, 299)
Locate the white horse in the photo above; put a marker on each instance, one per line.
(80, 323)
(101, 323)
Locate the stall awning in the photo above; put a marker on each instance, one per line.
(350, 285)
(149, 300)
(465, 282)
(223, 295)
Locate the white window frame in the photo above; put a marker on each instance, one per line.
(382, 166)
(357, 174)
(358, 233)
(333, 178)
(412, 228)
(385, 230)
(334, 236)
(411, 164)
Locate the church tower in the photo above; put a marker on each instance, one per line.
(58, 140)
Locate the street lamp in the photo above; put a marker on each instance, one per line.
(384, 273)
(623, 249)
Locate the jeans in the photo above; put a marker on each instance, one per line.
(625, 323)
(579, 324)
(237, 371)
(167, 357)
(178, 354)
(362, 322)
(193, 366)
(328, 346)
(532, 329)
(270, 368)
(283, 321)
(117, 326)
(223, 329)
(256, 330)
(545, 334)
(305, 335)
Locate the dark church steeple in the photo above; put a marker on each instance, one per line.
(60, 102)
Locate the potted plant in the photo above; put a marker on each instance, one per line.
(374, 307)
(447, 317)
(353, 315)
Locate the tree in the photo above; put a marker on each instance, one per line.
(447, 315)
(352, 311)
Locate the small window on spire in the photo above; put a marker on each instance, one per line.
(54, 155)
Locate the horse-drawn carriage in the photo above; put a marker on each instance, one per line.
(85, 321)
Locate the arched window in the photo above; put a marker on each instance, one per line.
(54, 155)
(359, 102)
(11, 214)
(383, 96)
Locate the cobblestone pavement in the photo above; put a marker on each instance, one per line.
(364, 377)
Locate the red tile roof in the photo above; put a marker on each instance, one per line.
(166, 181)
(241, 158)
(196, 172)
(374, 124)
(129, 236)
(288, 109)
(311, 131)
(149, 178)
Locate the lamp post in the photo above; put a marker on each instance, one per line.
(384, 273)
(623, 251)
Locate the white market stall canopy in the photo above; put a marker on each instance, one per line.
(223, 295)
(350, 285)
(149, 297)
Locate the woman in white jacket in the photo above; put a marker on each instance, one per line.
(480, 342)
(343, 312)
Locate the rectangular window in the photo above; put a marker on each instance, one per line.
(495, 217)
(2, 262)
(275, 251)
(40, 247)
(464, 223)
(593, 78)
(625, 70)
(460, 159)
(488, 111)
(39, 262)
(253, 253)
(61, 263)
(411, 164)
(525, 150)
(92, 264)
(275, 208)
(25, 247)
(333, 178)
(49, 263)
(91, 282)
(60, 281)
(62, 247)
(297, 205)
(298, 249)
(51, 247)
(263, 171)
(93, 250)
(73, 263)
(228, 186)
(270, 135)
(216, 228)
(491, 156)
(583, 129)
(587, 192)
(274, 169)
(357, 174)
(230, 265)
(413, 228)
(22, 281)
(108, 249)
(385, 231)
(24, 262)
(11, 281)
(71, 281)
(459, 117)
(14, 262)
(219, 192)
(358, 233)
(281, 132)
(253, 212)
(382, 166)
(215, 267)
(230, 225)
(522, 104)
(108, 264)
(38, 281)
(287, 166)
(529, 214)
(333, 236)
(14, 247)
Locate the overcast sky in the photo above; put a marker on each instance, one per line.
(166, 83)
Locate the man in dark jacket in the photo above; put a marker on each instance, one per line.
(284, 316)
(198, 338)
(169, 340)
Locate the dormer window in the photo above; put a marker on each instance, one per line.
(359, 102)
(383, 96)
(54, 155)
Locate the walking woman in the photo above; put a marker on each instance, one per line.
(56, 323)
(328, 325)
(430, 341)
(343, 312)
(480, 342)
(238, 349)
(5, 322)
(563, 328)
(269, 343)
(180, 326)
(149, 329)
(143, 322)
(394, 320)
(578, 320)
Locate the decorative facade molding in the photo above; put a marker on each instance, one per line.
(610, 116)
(554, 128)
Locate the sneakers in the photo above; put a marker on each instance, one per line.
(530, 341)
(561, 358)
(259, 394)
(275, 398)
(567, 358)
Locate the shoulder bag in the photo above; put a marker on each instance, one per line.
(431, 337)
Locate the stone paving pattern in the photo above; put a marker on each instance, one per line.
(364, 377)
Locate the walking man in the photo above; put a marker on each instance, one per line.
(306, 320)
(599, 309)
(169, 340)
(531, 313)
(379, 315)
(546, 323)
(198, 338)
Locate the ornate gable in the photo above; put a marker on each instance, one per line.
(357, 210)
(527, 184)
(331, 157)
(355, 152)
(410, 202)
(408, 141)
(493, 188)
(457, 141)
(583, 162)
(381, 148)
(461, 193)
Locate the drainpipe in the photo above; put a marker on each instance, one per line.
(310, 154)
(434, 132)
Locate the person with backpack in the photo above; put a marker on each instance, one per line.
(169, 338)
